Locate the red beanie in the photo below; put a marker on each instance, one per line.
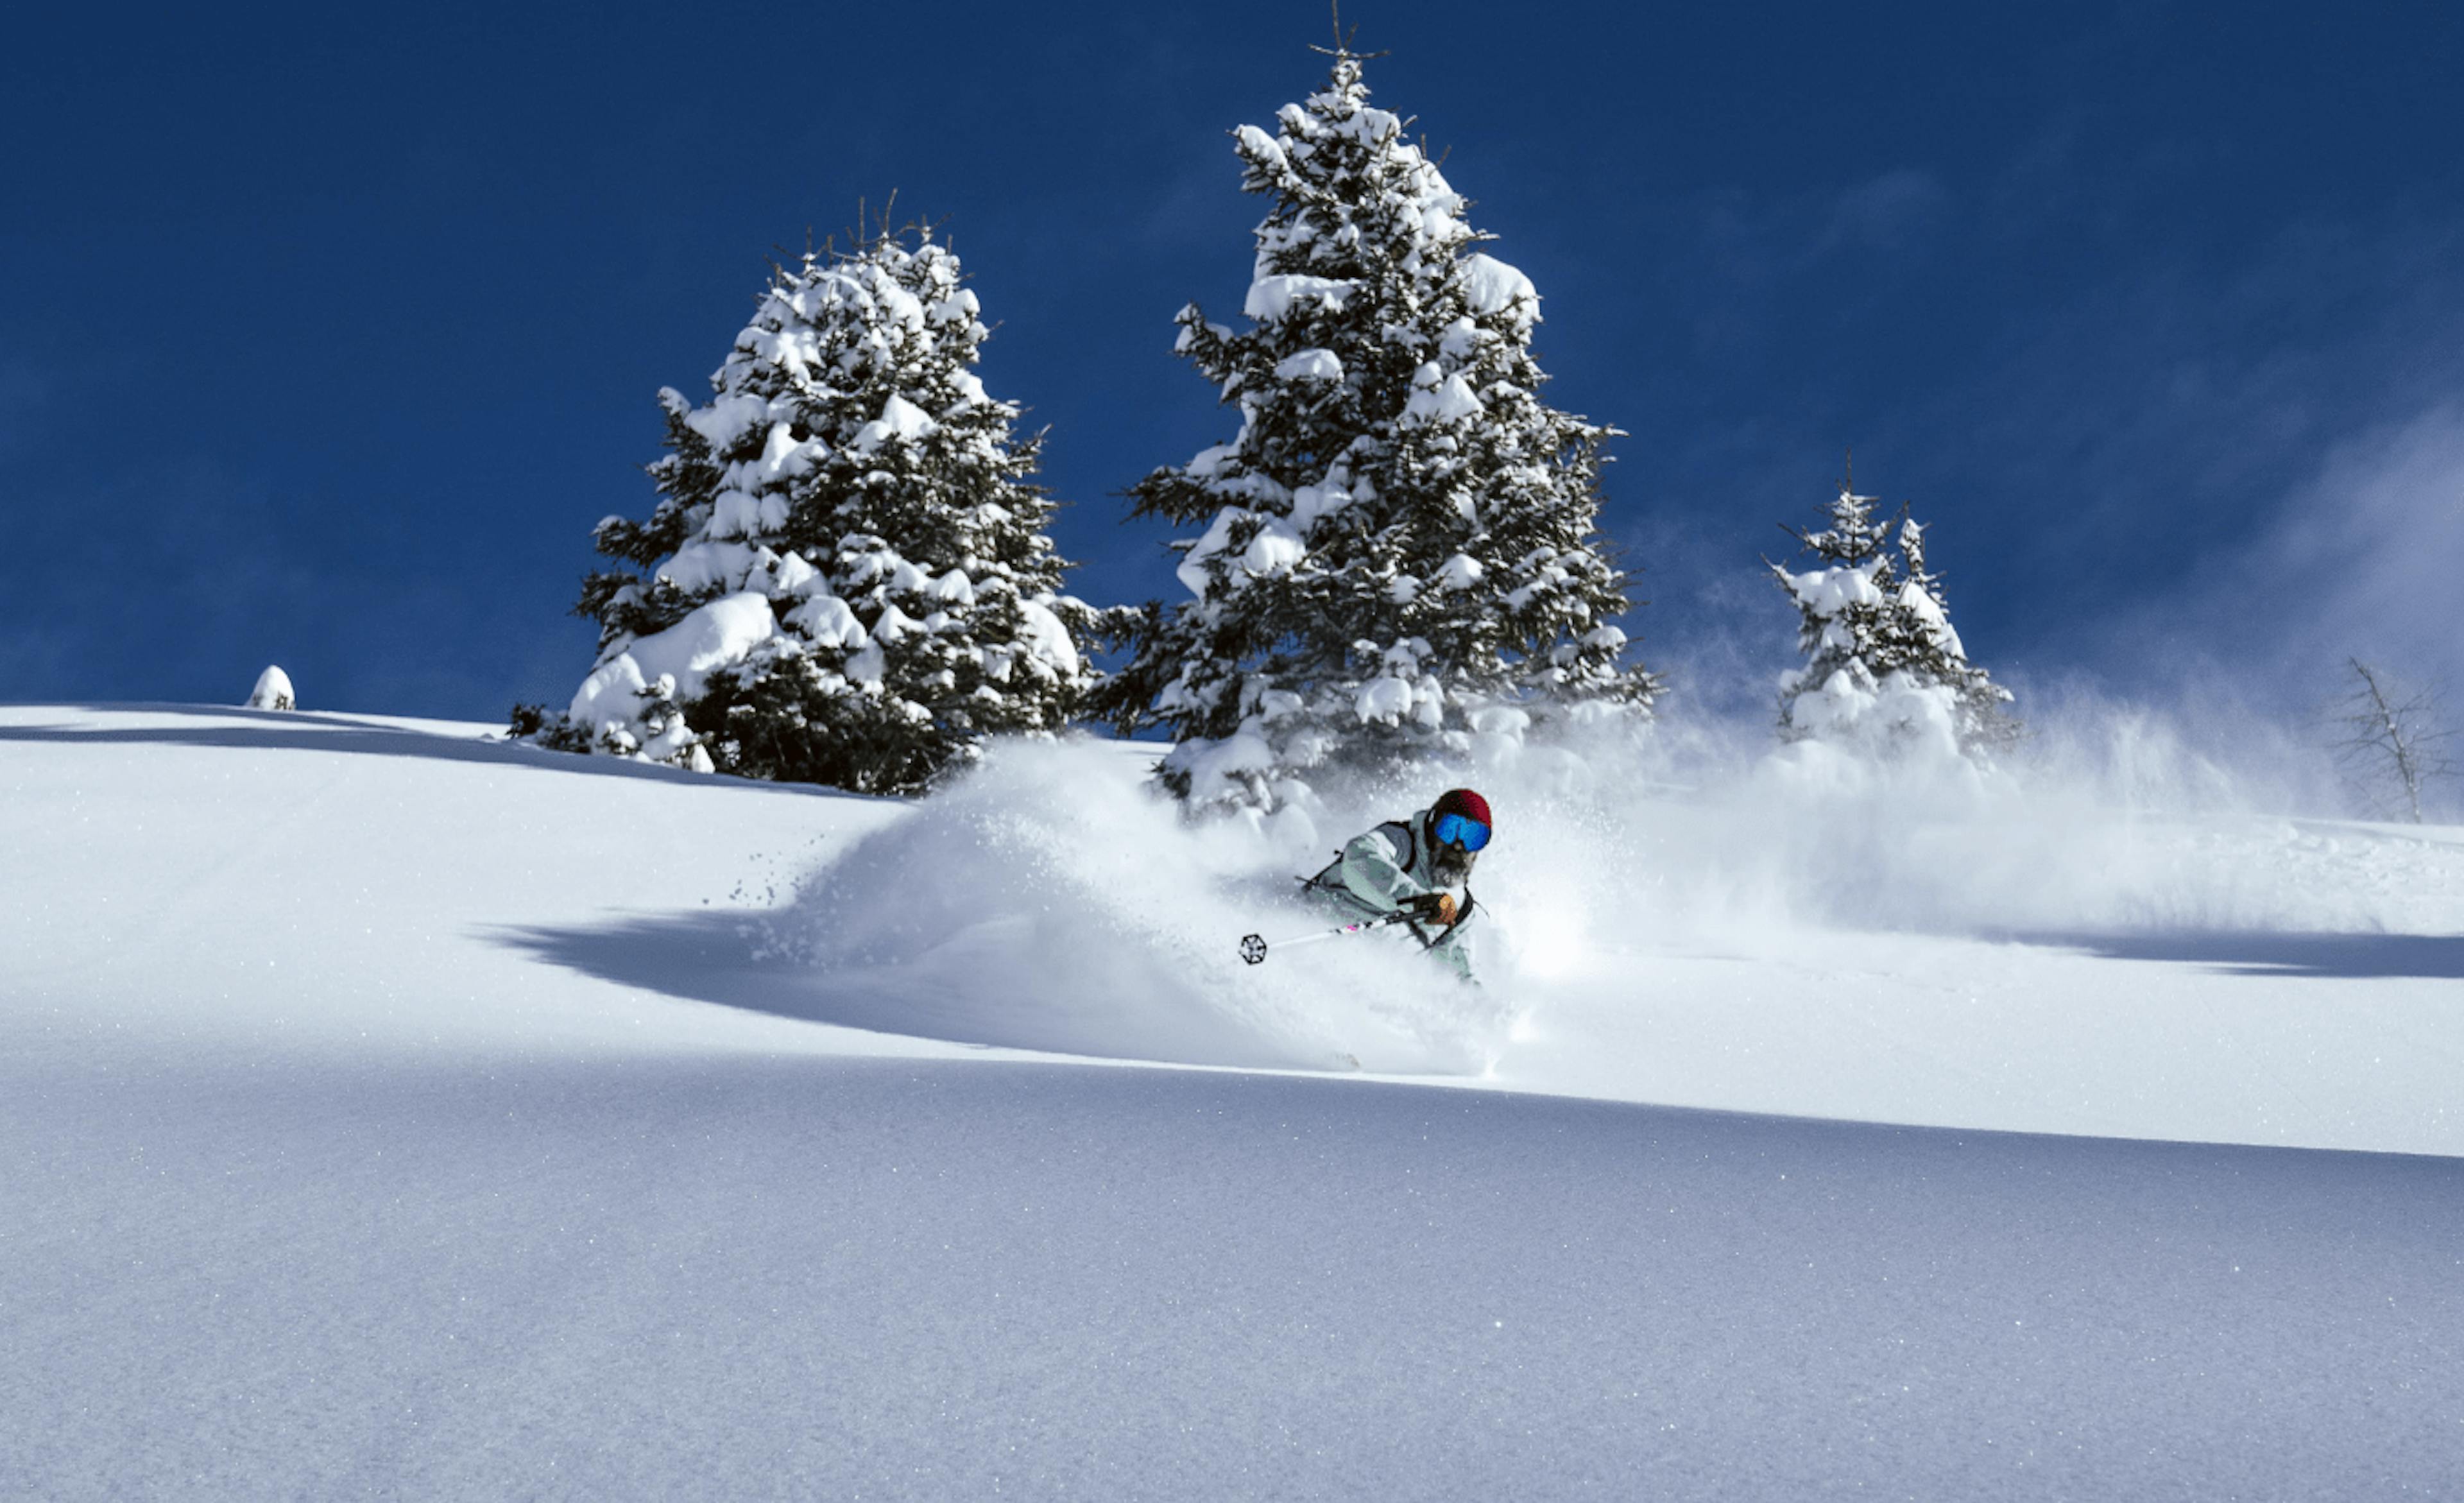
(1463, 801)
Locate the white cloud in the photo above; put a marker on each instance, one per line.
(2369, 557)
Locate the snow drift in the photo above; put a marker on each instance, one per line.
(396, 1111)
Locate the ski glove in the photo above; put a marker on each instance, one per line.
(1436, 908)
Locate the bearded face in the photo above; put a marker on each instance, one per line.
(1451, 865)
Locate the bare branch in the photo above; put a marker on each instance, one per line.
(2391, 742)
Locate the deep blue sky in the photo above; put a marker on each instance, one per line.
(325, 336)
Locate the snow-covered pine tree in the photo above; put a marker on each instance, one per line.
(1842, 605)
(1884, 672)
(847, 580)
(272, 691)
(1400, 555)
(1930, 648)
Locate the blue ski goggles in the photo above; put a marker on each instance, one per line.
(1459, 829)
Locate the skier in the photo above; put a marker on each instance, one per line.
(1420, 865)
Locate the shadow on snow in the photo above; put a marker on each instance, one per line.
(299, 730)
(2259, 953)
(718, 957)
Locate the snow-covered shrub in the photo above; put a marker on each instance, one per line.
(272, 691)
(1398, 555)
(1885, 674)
(847, 578)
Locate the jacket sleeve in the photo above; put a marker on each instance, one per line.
(1373, 872)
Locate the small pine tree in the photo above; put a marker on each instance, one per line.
(847, 580)
(1885, 670)
(272, 691)
(1399, 551)
(1928, 647)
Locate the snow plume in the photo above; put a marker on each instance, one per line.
(2364, 560)
(2108, 821)
(2357, 559)
(1701, 836)
(1052, 899)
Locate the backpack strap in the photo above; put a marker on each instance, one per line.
(1463, 915)
(1329, 882)
(1410, 841)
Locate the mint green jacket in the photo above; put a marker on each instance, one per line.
(1380, 871)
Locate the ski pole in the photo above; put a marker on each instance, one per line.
(1253, 948)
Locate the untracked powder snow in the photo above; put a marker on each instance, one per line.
(392, 1111)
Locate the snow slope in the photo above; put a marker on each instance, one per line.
(385, 1111)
